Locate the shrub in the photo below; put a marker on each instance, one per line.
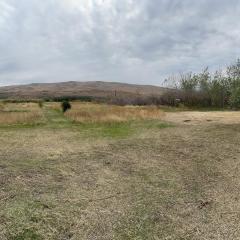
(40, 104)
(66, 106)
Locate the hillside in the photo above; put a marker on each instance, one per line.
(75, 89)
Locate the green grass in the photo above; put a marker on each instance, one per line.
(118, 130)
(27, 234)
(56, 119)
(112, 130)
(22, 125)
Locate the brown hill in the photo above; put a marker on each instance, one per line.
(76, 89)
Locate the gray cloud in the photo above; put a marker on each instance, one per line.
(135, 41)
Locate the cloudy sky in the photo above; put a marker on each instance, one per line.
(134, 41)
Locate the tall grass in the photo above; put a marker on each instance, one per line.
(97, 113)
(19, 117)
(56, 106)
(20, 113)
(19, 107)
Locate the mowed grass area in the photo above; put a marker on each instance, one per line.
(128, 179)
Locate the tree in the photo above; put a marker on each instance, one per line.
(233, 71)
(235, 97)
(188, 82)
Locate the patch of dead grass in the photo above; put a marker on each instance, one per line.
(19, 117)
(20, 113)
(97, 113)
(53, 106)
(18, 107)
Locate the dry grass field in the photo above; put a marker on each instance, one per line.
(20, 113)
(96, 113)
(169, 176)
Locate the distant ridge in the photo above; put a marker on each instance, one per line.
(76, 89)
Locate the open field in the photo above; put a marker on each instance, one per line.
(174, 175)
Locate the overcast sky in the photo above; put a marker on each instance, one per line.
(134, 41)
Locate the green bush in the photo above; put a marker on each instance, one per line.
(40, 104)
(66, 106)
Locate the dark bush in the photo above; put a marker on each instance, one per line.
(66, 106)
(40, 104)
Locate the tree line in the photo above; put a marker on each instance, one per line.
(220, 89)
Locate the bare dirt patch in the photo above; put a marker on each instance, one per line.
(195, 118)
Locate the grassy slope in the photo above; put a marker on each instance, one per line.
(73, 181)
